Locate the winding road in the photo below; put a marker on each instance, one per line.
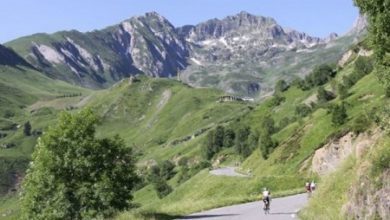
(281, 209)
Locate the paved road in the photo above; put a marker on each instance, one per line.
(226, 171)
(281, 209)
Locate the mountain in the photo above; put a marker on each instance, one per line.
(242, 54)
(245, 54)
(10, 58)
(147, 44)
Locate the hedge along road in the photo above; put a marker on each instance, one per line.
(281, 208)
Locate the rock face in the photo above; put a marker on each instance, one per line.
(145, 44)
(241, 54)
(330, 156)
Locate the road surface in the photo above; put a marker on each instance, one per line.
(281, 209)
(226, 171)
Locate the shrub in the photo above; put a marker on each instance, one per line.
(339, 114)
(27, 129)
(323, 95)
(360, 124)
(302, 110)
(74, 175)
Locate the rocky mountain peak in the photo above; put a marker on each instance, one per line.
(360, 25)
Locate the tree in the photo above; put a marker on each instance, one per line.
(162, 188)
(342, 90)
(267, 125)
(377, 12)
(241, 142)
(166, 171)
(320, 75)
(74, 175)
(323, 95)
(302, 110)
(363, 66)
(281, 86)
(229, 136)
(339, 114)
(266, 145)
(27, 129)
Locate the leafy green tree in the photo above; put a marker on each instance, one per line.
(167, 169)
(27, 129)
(229, 136)
(266, 145)
(342, 90)
(267, 125)
(363, 66)
(162, 188)
(241, 142)
(320, 75)
(323, 95)
(218, 137)
(302, 110)
(74, 175)
(339, 114)
(379, 32)
(360, 124)
(276, 100)
(348, 81)
(281, 86)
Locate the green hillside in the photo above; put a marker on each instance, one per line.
(165, 120)
(288, 165)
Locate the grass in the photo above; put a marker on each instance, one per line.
(331, 195)
(334, 191)
(155, 115)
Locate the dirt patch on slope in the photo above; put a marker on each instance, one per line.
(331, 155)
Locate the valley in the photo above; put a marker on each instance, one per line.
(212, 113)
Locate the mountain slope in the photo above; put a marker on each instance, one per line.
(147, 44)
(246, 54)
(241, 54)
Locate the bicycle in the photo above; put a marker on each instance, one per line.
(266, 206)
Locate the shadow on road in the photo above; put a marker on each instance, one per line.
(205, 216)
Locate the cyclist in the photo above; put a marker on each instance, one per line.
(266, 200)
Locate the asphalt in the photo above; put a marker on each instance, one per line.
(281, 209)
(226, 171)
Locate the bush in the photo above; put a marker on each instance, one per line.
(166, 171)
(74, 175)
(27, 129)
(276, 100)
(162, 188)
(266, 145)
(339, 114)
(320, 75)
(323, 95)
(281, 86)
(360, 124)
(302, 110)
(241, 143)
(343, 91)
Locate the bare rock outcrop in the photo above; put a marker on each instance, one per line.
(331, 155)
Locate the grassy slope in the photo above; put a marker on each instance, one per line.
(153, 113)
(286, 169)
(328, 202)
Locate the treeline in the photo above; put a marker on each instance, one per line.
(245, 139)
(242, 138)
(159, 174)
(70, 95)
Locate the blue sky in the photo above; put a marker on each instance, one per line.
(24, 17)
